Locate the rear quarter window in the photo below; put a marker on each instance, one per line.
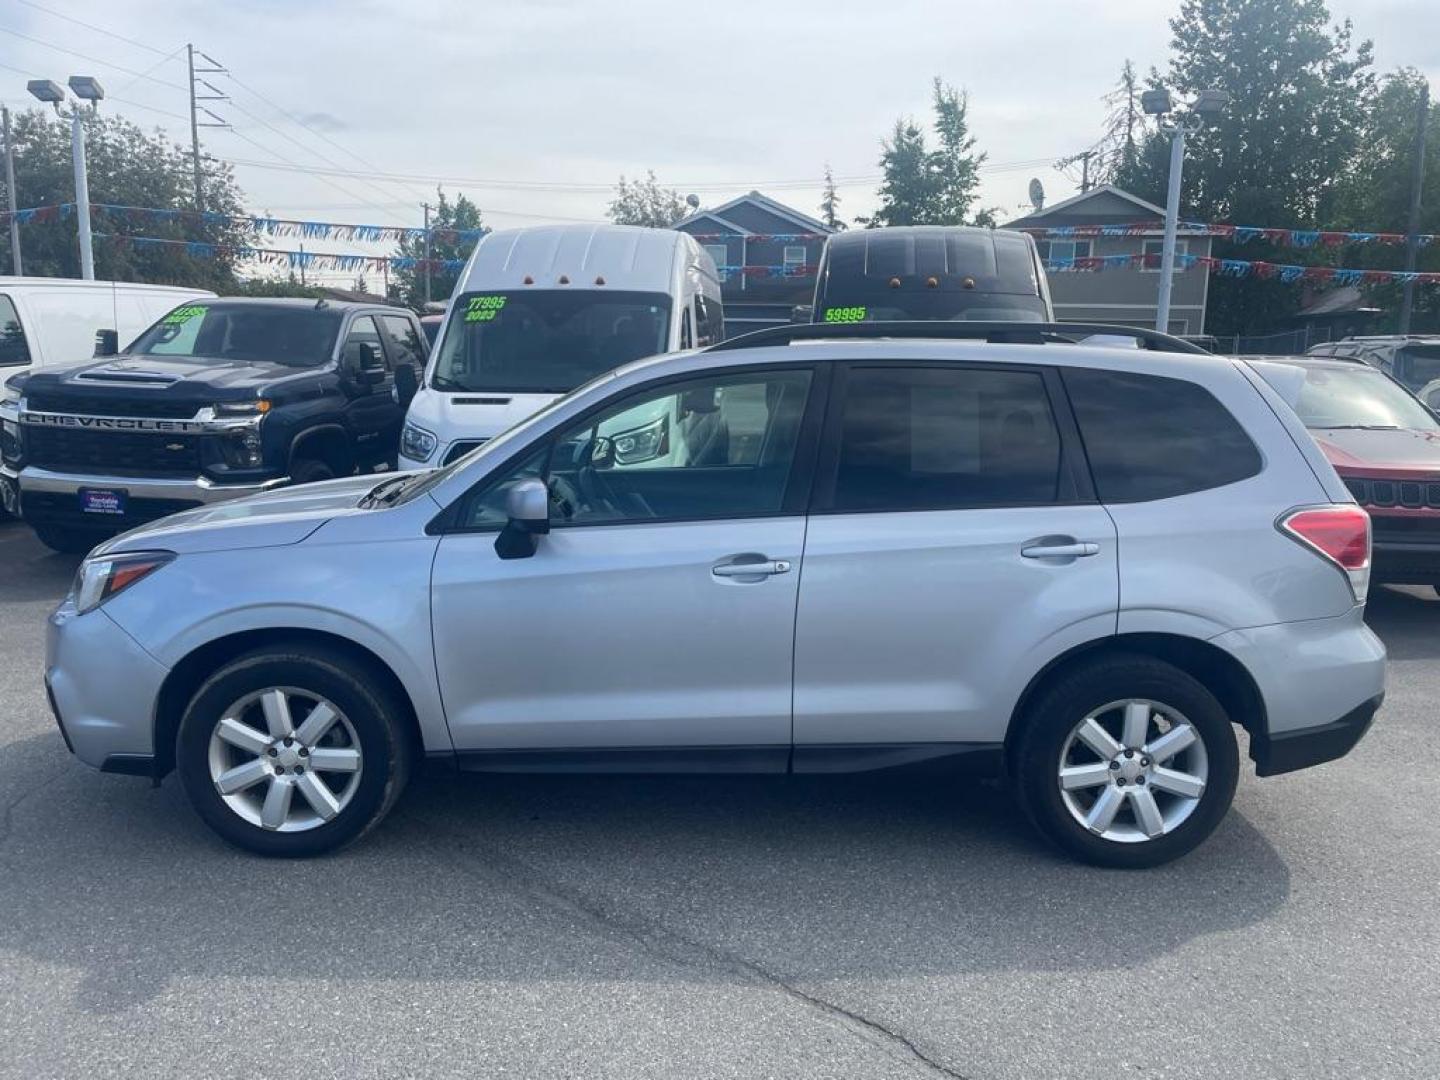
(1153, 437)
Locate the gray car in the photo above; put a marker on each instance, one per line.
(1077, 567)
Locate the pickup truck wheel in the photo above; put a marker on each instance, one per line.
(292, 753)
(1126, 762)
(69, 541)
(310, 471)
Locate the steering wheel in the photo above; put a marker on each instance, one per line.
(596, 495)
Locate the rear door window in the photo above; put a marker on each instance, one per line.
(1153, 437)
(14, 349)
(934, 438)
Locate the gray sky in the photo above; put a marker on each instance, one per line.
(534, 108)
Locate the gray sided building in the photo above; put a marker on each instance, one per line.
(757, 232)
(1127, 296)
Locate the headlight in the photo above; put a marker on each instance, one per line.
(642, 443)
(99, 579)
(10, 444)
(416, 443)
(257, 407)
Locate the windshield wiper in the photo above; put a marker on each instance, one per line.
(440, 382)
(385, 492)
(1360, 427)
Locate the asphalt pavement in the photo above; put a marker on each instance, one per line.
(858, 927)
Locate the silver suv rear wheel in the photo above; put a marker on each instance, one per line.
(1132, 770)
(1124, 760)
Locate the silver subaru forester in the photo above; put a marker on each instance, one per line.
(803, 551)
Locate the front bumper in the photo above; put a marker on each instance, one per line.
(49, 497)
(102, 687)
(1291, 750)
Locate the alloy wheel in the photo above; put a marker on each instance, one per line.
(1133, 770)
(285, 759)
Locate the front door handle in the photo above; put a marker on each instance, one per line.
(764, 568)
(1073, 550)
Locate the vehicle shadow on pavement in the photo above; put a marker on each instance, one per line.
(1407, 620)
(518, 879)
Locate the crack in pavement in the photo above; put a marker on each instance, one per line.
(668, 945)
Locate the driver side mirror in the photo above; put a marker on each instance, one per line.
(406, 384)
(527, 504)
(371, 370)
(107, 342)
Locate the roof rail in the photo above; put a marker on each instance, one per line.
(1012, 333)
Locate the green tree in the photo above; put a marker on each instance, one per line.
(924, 186)
(126, 167)
(1375, 194)
(447, 221)
(830, 203)
(1117, 153)
(645, 202)
(1299, 88)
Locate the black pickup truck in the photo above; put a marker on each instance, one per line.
(220, 398)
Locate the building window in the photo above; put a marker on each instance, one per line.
(721, 254)
(1064, 249)
(794, 256)
(1157, 249)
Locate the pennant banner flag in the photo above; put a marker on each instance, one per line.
(311, 260)
(1243, 268)
(1300, 238)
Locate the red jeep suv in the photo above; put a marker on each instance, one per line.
(1386, 447)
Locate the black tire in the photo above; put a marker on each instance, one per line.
(377, 719)
(1060, 706)
(310, 471)
(69, 541)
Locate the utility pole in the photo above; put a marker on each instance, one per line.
(10, 190)
(1085, 157)
(82, 194)
(427, 251)
(215, 68)
(1417, 180)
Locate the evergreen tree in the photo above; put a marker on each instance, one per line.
(922, 186)
(830, 202)
(447, 222)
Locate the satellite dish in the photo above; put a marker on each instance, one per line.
(692, 201)
(1037, 193)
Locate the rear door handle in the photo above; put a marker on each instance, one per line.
(751, 569)
(1076, 550)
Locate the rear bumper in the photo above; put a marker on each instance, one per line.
(50, 497)
(1291, 750)
(1395, 563)
(1308, 673)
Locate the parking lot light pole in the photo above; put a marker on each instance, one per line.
(88, 89)
(1177, 125)
(11, 195)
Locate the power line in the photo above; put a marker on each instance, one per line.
(297, 120)
(91, 59)
(92, 26)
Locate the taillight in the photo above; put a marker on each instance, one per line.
(1340, 534)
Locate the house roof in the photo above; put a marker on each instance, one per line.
(1150, 209)
(707, 215)
(766, 203)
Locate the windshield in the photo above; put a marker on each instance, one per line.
(293, 335)
(546, 341)
(1419, 365)
(1358, 397)
(892, 305)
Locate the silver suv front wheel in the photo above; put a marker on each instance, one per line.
(293, 750)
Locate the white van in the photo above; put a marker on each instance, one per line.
(45, 322)
(538, 311)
